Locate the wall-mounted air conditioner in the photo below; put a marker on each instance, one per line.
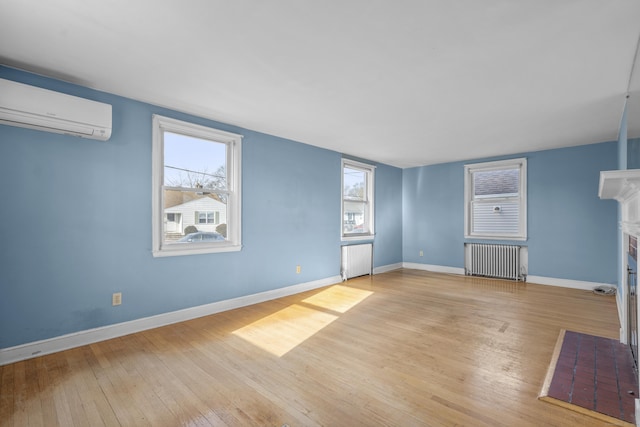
(36, 108)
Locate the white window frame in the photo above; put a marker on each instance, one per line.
(469, 170)
(233, 142)
(369, 171)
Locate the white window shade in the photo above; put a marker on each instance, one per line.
(497, 218)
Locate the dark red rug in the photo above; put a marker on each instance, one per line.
(593, 375)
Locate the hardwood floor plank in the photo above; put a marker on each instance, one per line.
(224, 368)
(7, 395)
(118, 389)
(403, 348)
(20, 414)
(45, 391)
(32, 397)
(217, 393)
(58, 372)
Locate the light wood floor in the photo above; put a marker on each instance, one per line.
(403, 348)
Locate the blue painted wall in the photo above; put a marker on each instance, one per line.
(572, 233)
(388, 220)
(633, 153)
(622, 140)
(76, 223)
(433, 214)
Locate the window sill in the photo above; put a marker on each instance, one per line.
(208, 249)
(352, 238)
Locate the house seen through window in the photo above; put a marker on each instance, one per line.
(196, 188)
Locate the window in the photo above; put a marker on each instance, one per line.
(207, 217)
(357, 200)
(196, 189)
(496, 200)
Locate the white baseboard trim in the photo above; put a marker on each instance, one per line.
(434, 268)
(540, 280)
(89, 336)
(565, 283)
(386, 268)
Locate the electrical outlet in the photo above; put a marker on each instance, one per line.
(421, 253)
(298, 269)
(116, 298)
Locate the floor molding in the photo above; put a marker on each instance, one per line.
(434, 268)
(565, 283)
(89, 336)
(622, 315)
(552, 365)
(387, 268)
(540, 280)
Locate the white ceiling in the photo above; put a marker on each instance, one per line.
(407, 83)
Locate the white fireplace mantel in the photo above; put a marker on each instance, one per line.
(623, 186)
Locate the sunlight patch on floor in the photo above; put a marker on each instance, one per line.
(338, 298)
(282, 331)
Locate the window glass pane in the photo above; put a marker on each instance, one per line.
(496, 183)
(196, 217)
(357, 200)
(196, 189)
(355, 217)
(194, 163)
(355, 187)
(496, 200)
